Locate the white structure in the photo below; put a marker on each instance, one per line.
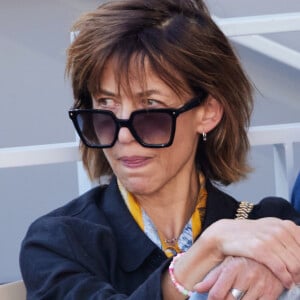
(281, 137)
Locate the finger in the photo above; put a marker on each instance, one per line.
(254, 279)
(209, 280)
(292, 245)
(264, 295)
(272, 250)
(279, 268)
(267, 288)
(292, 262)
(227, 279)
(258, 240)
(264, 289)
(235, 294)
(286, 247)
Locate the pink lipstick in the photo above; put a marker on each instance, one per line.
(134, 161)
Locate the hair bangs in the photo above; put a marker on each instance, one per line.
(132, 59)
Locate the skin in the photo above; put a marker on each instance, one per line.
(154, 176)
(258, 254)
(268, 248)
(220, 280)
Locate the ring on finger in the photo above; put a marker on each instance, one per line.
(237, 294)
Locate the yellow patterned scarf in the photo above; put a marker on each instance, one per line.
(191, 231)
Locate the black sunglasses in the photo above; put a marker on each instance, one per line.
(152, 128)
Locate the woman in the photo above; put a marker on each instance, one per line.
(162, 105)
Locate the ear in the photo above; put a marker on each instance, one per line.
(209, 115)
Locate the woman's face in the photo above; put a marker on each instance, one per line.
(144, 171)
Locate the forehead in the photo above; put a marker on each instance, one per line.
(136, 76)
(139, 72)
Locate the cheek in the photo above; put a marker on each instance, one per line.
(182, 151)
(186, 134)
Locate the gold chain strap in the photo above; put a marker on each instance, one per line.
(244, 210)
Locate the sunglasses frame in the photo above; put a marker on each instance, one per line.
(173, 112)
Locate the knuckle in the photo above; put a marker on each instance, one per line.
(289, 225)
(280, 269)
(297, 277)
(261, 286)
(294, 269)
(267, 296)
(285, 227)
(216, 295)
(259, 246)
(251, 275)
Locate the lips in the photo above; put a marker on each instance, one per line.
(134, 161)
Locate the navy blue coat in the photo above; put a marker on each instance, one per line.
(92, 248)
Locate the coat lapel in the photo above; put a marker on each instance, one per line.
(134, 247)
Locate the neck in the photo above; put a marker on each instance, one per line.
(171, 208)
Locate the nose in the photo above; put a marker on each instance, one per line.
(125, 136)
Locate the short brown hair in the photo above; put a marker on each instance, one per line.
(178, 33)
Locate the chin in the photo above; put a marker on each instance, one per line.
(137, 186)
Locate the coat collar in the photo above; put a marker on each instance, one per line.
(134, 247)
(219, 205)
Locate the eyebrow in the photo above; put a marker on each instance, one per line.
(150, 92)
(139, 94)
(105, 92)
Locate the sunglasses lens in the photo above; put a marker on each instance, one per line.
(98, 129)
(153, 128)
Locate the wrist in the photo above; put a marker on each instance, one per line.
(179, 287)
(193, 266)
(212, 239)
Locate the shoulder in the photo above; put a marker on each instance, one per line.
(221, 205)
(81, 217)
(275, 207)
(82, 205)
(76, 231)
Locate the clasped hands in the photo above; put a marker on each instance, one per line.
(259, 257)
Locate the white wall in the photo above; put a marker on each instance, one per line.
(34, 101)
(277, 101)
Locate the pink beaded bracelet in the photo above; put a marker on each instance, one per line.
(181, 289)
